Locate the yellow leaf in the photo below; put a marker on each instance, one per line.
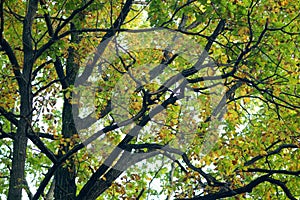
(264, 153)
(67, 94)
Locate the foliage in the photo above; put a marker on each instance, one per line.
(178, 99)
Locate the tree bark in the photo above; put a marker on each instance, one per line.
(17, 173)
(18, 162)
(65, 187)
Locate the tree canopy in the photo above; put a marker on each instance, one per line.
(149, 99)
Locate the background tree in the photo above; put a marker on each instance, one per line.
(245, 99)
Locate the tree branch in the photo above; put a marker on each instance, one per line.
(55, 37)
(47, 18)
(73, 14)
(27, 189)
(9, 116)
(276, 151)
(283, 187)
(270, 171)
(45, 87)
(5, 135)
(35, 72)
(248, 188)
(105, 40)
(40, 144)
(13, 60)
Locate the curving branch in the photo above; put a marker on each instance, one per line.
(285, 26)
(176, 11)
(55, 33)
(27, 189)
(73, 14)
(274, 171)
(276, 151)
(247, 188)
(40, 67)
(45, 87)
(283, 187)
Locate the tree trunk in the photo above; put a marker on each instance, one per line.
(17, 173)
(18, 162)
(65, 187)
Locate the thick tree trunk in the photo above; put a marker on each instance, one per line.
(18, 162)
(17, 173)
